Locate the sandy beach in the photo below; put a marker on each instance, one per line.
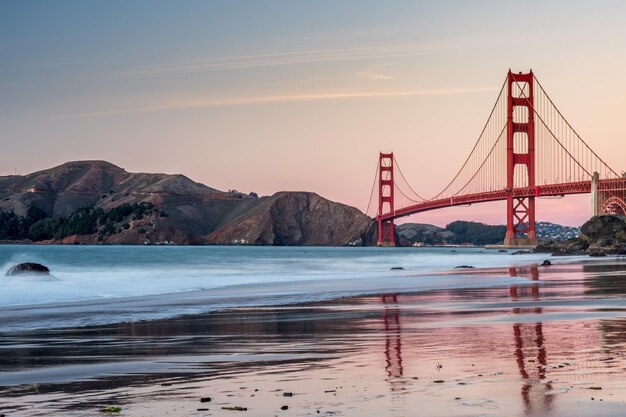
(553, 345)
(312, 208)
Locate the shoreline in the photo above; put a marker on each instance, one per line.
(60, 243)
(278, 294)
(505, 350)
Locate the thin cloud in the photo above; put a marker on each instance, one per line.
(374, 75)
(238, 62)
(191, 103)
(199, 103)
(284, 58)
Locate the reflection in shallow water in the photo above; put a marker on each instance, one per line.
(533, 349)
(527, 335)
(530, 351)
(605, 279)
(393, 336)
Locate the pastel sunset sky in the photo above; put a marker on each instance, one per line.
(300, 95)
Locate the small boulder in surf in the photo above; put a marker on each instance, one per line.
(28, 268)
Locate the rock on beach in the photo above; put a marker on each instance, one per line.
(28, 268)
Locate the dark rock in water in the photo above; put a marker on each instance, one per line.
(605, 241)
(546, 247)
(568, 247)
(600, 236)
(546, 263)
(522, 252)
(599, 251)
(604, 235)
(502, 250)
(603, 227)
(464, 267)
(396, 268)
(28, 268)
(577, 247)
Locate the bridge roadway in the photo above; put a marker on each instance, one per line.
(582, 187)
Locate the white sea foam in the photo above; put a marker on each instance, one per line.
(152, 282)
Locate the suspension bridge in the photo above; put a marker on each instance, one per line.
(526, 150)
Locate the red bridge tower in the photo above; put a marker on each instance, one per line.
(520, 151)
(385, 196)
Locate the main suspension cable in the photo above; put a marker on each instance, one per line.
(484, 162)
(573, 130)
(369, 202)
(407, 183)
(546, 126)
(475, 145)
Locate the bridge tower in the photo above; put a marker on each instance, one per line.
(385, 197)
(520, 151)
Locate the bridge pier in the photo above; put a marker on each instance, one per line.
(520, 230)
(386, 233)
(519, 243)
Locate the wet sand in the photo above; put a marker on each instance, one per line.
(554, 345)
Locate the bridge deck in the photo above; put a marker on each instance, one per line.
(582, 187)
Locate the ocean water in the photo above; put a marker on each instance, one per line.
(110, 284)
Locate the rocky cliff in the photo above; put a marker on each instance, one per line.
(98, 202)
(298, 218)
(600, 235)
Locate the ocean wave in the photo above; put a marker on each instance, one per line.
(103, 284)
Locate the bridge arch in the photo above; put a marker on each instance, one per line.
(614, 205)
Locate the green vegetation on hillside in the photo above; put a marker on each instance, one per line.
(475, 233)
(455, 233)
(37, 225)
